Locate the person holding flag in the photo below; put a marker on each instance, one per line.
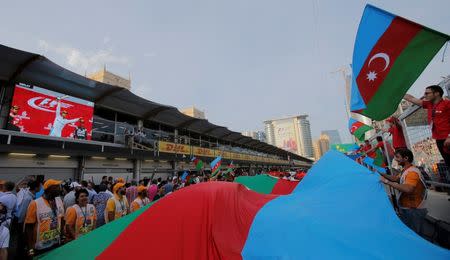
(438, 117)
(412, 188)
(396, 131)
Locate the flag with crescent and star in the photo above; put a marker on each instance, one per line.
(215, 166)
(358, 129)
(390, 53)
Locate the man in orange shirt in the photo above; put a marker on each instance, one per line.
(80, 218)
(412, 189)
(141, 199)
(44, 220)
(117, 206)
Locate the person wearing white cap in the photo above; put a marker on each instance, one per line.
(69, 199)
(60, 120)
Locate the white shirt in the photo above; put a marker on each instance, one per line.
(91, 194)
(9, 200)
(69, 199)
(4, 237)
(60, 122)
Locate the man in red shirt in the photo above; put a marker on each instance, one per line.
(438, 117)
(396, 131)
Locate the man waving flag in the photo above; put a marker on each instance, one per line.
(389, 55)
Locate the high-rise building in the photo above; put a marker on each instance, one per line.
(321, 146)
(193, 112)
(333, 136)
(292, 134)
(110, 78)
(261, 136)
(258, 135)
(316, 148)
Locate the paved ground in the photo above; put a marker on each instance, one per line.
(438, 205)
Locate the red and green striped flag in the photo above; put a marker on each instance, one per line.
(358, 129)
(389, 55)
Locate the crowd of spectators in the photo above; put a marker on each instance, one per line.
(39, 215)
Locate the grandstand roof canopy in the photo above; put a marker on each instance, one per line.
(30, 68)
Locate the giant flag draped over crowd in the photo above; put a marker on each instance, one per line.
(267, 184)
(358, 129)
(221, 220)
(389, 55)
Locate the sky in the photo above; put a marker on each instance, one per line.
(241, 61)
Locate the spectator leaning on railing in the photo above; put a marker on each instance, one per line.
(438, 117)
(411, 185)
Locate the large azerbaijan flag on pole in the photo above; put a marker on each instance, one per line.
(389, 55)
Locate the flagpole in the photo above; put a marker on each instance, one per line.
(391, 190)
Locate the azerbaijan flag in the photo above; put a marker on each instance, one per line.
(389, 55)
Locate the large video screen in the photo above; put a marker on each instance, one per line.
(40, 111)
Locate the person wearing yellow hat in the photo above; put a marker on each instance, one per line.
(141, 199)
(117, 206)
(44, 220)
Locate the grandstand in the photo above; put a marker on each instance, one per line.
(128, 136)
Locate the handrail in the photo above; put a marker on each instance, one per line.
(62, 139)
(438, 184)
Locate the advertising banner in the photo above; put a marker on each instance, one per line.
(285, 135)
(199, 151)
(167, 147)
(40, 111)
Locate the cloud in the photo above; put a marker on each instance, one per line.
(84, 60)
(43, 45)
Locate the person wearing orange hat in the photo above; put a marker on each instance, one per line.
(141, 199)
(44, 220)
(117, 206)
